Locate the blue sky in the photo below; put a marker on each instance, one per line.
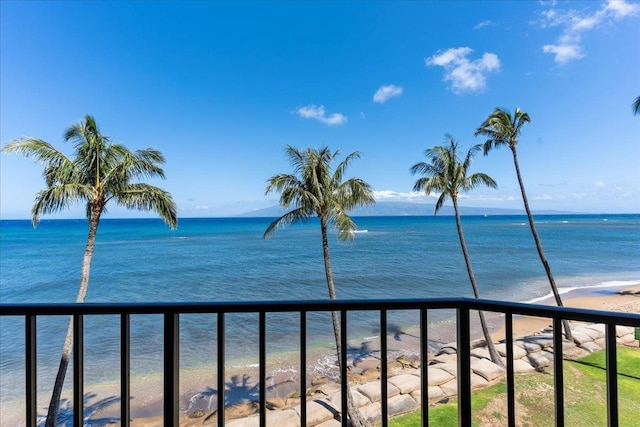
(221, 87)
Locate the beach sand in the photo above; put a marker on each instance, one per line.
(625, 300)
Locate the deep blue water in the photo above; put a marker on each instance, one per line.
(226, 259)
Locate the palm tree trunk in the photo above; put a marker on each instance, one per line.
(493, 353)
(357, 420)
(54, 404)
(536, 238)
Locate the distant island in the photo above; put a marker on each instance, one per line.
(410, 209)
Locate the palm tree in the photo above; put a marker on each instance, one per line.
(99, 173)
(636, 106)
(502, 129)
(315, 190)
(446, 174)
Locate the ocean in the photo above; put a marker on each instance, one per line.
(226, 259)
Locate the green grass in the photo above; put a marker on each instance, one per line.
(584, 392)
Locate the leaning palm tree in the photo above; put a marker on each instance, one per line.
(636, 106)
(314, 189)
(445, 173)
(502, 129)
(99, 173)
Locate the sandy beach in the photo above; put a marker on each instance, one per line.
(626, 299)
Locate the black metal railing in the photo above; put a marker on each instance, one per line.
(172, 311)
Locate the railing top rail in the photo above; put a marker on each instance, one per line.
(516, 308)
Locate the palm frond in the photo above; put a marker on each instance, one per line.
(446, 174)
(636, 106)
(344, 224)
(443, 198)
(297, 215)
(148, 198)
(338, 174)
(501, 128)
(57, 198)
(313, 188)
(99, 172)
(39, 150)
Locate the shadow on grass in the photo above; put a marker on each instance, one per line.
(604, 369)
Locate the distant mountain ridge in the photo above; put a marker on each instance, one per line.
(408, 209)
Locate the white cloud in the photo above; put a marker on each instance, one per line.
(486, 23)
(620, 9)
(387, 92)
(319, 113)
(564, 52)
(575, 24)
(395, 196)
(465, 75)
(599, 184)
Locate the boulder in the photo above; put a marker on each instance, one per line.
(405, 382)
(478, 381)
(521, 366)
(438, 376)
(401, 404)
(319, 411)
(481, 353)
(486, 369)
(450, 388)
(528, 345)
(518, 352)
(372, 413)
(372, 390)
(591, 347)
(623, 330)
(287, 417)
(579, 337)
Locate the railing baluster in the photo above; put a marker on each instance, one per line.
(303, 368)
(612, 376)
(263, 368)
(31, 370)
(383, 368)
(78, 370)
(125, 369)
(171, 367)
(511, 392)
(171, 313)
(558, 376)
(343, 366)
(424, 366)
(464, 367)
(221, 350)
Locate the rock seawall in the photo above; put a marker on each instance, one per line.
(531, 353)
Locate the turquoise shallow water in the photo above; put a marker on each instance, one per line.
(226, 259)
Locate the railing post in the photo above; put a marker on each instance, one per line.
(171, 368)
(263, 368)
(78, 370)
(511, 391)
(31, 370)
(303, 368)
(464, 367)
(221, 350)
(125, 369)
(558, 376)
(342, 362)
(612, 376)
(383, 368)
(424, 366)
